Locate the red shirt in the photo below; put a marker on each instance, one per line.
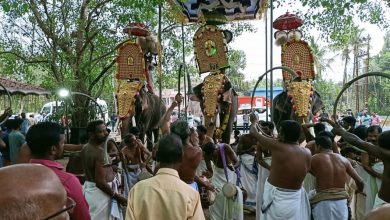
(72, 187)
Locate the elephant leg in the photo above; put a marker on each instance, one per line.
(149, 142)
(233, 113)
(125, 126)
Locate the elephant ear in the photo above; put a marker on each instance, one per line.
(198, 91)
(281, 102)
(317, 103)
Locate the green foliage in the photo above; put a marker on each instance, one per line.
(337, 19)
(379, 88)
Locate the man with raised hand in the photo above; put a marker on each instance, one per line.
(284, 197)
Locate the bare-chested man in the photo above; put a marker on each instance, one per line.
(216, 153)
(382, 152)
(264, 158)
(284, 197)
(98, 173)
(204, 138)
(192, 155)
(134, 153)
(330, 170)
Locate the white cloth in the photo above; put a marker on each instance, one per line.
(330, 209)
(233, 208)
(309, 183)
(248, 178)
(201, 168)
(262, 177)
(364, 204)
(378, 167)
(116, 211)
(131, 177)
(99, 202)
(284, 204)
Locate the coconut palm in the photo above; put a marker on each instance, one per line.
(320, 62)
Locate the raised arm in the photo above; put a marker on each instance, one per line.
(368, 168)
(305, 127)
(165, 120)
(266, 142)
(357, 142)
(259, 157)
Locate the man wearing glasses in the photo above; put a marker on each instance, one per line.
(46, 141)
(31, 191)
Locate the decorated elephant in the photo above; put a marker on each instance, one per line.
(148, 109)
(135, 94)
(283, 108)
(217, 99)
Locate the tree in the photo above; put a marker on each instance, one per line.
(336, 19)
(74, 43)
(379, 88)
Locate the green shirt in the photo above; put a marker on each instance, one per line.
(16, 140)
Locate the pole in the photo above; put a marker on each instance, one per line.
(367, 69)
(159, 53)
(266, 66)
(184, 70)
(271, 58)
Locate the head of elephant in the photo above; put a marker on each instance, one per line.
(283, 109)
(224, 107)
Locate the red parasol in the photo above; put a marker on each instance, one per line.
(136, 29)
(287, 21)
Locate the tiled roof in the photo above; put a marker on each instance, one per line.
(18, 87)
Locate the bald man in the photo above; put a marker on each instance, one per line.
(380, 213)
(31, 191)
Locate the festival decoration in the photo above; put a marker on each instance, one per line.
(130, 61)
(225, 10)
(136, 29)
(213, 85)
(210, 49)
(300, 95)
(297, 55)
(287, 21)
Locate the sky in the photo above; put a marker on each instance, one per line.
(253, 44)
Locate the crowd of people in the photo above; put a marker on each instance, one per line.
(297, 172)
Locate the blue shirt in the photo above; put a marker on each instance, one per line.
(25, 126)
(16, 140)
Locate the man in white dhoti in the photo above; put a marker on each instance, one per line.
(99, 175)
(136, 156)
(263, 157)
(284, 197)
(223, 157)
(330, 170)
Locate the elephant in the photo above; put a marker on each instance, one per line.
(222, 108)
(283, 108)
(148, 110)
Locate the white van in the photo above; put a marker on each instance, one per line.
(51, 107)
(261, 114)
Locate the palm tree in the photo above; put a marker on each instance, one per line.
(320, 62)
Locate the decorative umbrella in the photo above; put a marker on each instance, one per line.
(287, 21)
(229, 10)
(136, 29)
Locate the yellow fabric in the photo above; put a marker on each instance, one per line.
(164, 196)
(329, 194)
